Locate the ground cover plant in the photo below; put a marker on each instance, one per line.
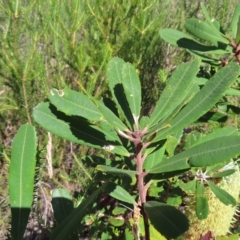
(127, 142)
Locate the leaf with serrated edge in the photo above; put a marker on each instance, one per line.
(177, 87)
(212, 152)
(21, 178)
(205, 154)
(203, 100)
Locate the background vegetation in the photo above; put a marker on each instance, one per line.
(54, 43)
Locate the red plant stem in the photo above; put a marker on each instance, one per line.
(142, 189)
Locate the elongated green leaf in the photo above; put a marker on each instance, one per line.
(212, 22)
(75, 130)
(222, 195)
(235, 20)
(224, 173)
(117, 171)
(165, 123)
(202, 208)
(115, 79)
(132, 89)
(170, 165)
(205, 154)
(204, 31)
(62, 206)
(69, 224)
(183, 40)
(213, 152)
(154, 158)
(21, 178)
(232, 92)
(221, 132)
(119, 193)
(169, 221)
(203, 100)
(177, 87)
(109, 116)
(74, 103)
(238, 32)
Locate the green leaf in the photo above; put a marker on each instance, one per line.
(221, 132)
(212, 152)
(203, 100)
(204, 31)
(132, 89)
(115, 79)
(235, 21)
(205, 154)
(154, 234)
(238, 32)
(118, 210)
(202, 208)
(177, 87)
(62, 206)
(119, 193)
(224, 173)
(183, 40)
(188, 187)
(222, 195)
(170, 165)
(175, 197)
(212, 22)
(128, 235)
(154, 158)
(116, 221)
(165, 123)
(69, 224)
(172, 142)
(112, 119)
(75, 130)
(74, 103)
(232, 92)
(21, 178)
(230, 237)
(169, 221)
(117, 171)
(200, 80)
